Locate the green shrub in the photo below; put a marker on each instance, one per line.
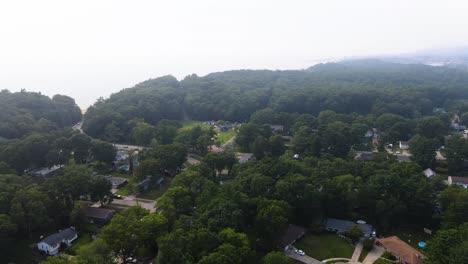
(368, 244)
(389, 256)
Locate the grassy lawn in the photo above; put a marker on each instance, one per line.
(156, 193)
(363, 255)
(83, 238)
(325, 245)
(412, 237)
(383, 261)
(187, 125)
(223, 137)
(128, 188)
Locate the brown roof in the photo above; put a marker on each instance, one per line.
(402, 250)
(463, 180)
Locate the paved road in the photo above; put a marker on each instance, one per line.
(373, 255)
(304, 259)
(130, 202)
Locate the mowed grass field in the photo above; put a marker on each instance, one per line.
(223, 136)
(325, 245)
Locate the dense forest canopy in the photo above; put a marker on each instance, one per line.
(27, 112)
(363, 87)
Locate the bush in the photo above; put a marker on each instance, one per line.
(389, 256)
(368, 244)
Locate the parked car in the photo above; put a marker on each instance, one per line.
(299, 252)
(117, 196)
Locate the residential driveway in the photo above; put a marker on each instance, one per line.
(373, 255)
(146, 205)
(304, 259)
(356, 253)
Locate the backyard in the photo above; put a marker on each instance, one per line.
(325, 245)
(412, 237)
(223, 136)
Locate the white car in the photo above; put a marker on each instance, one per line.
(299, 252)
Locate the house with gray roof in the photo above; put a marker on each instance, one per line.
(51, 244)
(116, 182)
(342, 226)
(98, 215)
(47, 171)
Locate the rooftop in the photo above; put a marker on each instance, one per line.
(98, 213)
(342, 226)
(429, 173)
(404, 251)
(463, 180)
(56, 238)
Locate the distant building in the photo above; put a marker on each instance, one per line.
(364, 155)
(98, 215)
(121, 155)
(144, 185)
(404, 145)
(429, 173)
(462, 181)
(277, 129)
(46, 171)
(244, 157)
(116, 182)
(290, 236)
(51, 244)
(215, 149)
(404, 252)
(342, 226)
(403, 157)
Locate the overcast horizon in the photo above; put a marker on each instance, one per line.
(89, 49)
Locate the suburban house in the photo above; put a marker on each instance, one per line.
(404, 252)
(98, 215)
(144, 185)
(462, 181)
(51, 244)
(364, 155)
(342, 226)
(215, 149)
(277, 129)
(116, 182)
(244, 157)
(46, 171)
(121, 155)
(403, 157)
(290, 236)
(403, 145)
(429, 173)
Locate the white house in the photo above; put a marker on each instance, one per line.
(429, 173)
(403, 145)
(51, 244)
(462, 181)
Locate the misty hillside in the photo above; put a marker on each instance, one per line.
(364, 86)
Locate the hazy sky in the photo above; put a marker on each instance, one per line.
(88, 49)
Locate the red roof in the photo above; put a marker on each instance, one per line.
(402, 250)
